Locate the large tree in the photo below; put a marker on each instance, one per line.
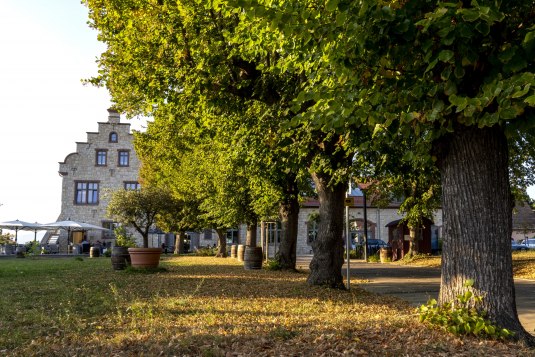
(459, 76)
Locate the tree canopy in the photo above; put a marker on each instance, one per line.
(140, 209)
(452, 83)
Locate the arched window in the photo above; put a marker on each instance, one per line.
(113, 137)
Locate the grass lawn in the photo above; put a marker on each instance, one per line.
(523, 263)
(203, 306)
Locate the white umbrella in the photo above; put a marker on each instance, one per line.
(18, 225)
(72, 226)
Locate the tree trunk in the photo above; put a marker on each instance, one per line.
(328, 248)
(289, 216)
(477, 208)
(179, 243)
(414, 245)
(222, 243)
(145, 240)
(250, 240)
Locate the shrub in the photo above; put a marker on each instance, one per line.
(206, 252)
(123, 238)
(272, 264)
(408, 259)
(352, 254)
(374, 258)
(460, 317)
(6, 238)
(32, 248)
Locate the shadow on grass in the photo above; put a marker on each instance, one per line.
(195, 306)
(132, 270)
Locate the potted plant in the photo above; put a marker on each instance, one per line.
(120, 258)
(140, 209)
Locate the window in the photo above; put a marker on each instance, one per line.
(110, 233)
(207, 234)
(124, 158)
(113, 137)
(102, 157)
(274, 232)
(86, 193)
(132, 185)
(232, 236)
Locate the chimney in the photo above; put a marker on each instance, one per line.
(113, 116)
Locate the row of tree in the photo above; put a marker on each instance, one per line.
(252, 98)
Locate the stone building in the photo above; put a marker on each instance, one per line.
(105, 162)
(523, 221)
(378, 219)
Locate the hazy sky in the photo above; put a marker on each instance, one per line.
(47, 48)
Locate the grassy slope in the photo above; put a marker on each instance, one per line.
(200, 306)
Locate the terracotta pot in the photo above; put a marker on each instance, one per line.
(145, 257)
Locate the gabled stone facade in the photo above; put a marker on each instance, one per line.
(105, 162)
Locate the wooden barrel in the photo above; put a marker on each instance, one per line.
(385, 254)
(241, 251)
(94, 252)
(252, 258)
(233, 252)
(120, 258)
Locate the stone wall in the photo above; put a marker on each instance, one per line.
(81, 166)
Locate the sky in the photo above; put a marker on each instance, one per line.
(47, 49)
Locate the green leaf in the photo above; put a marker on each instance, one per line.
(508, 113)
(444, 31)
(341, 18)
(331, 5)
(506, 55)
(516, 64)
(521, 93)
(431, 65)
(408, 156)
(445, 75)
(483, 28)
(450, 88)
(530, 100)
(459, 72)
(445, 55)
(490, 330)
(469, 283)
(469, 15)
(530, 36)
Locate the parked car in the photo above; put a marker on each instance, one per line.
(375, 244)
(530, 243)
(515, 246)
